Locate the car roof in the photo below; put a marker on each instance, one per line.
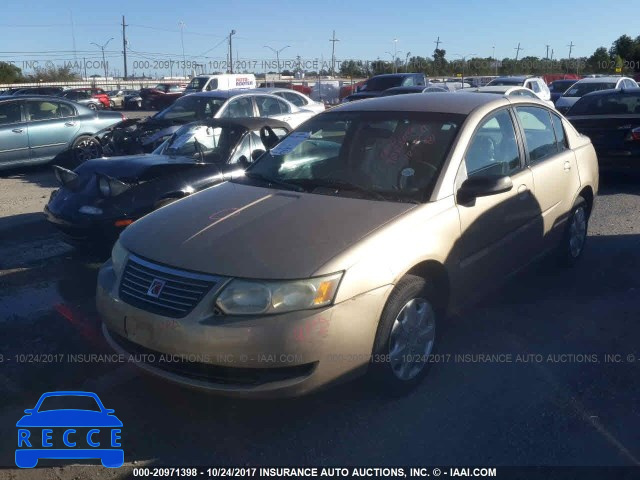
(249, 123)
(394, 75)
(276, 89)
(409, 88)
(617, 91)
(515, 77)
(602, 79)
(35, 97)
(232, 93)
(443, 102)
(497, 88)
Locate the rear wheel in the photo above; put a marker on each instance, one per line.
(112, 104)
(92, 106)
(406, 336)
(575, 235)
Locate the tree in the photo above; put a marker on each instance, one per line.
(600, 61)
(9, 73)
(623, 46)
(439, 62)
(54, 74)
(351, 68)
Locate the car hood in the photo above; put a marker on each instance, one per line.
(566, 101)
(245, 231)
(365, 94)
(68, 418)
(128, 166)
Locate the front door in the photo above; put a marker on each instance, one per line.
(52, 128)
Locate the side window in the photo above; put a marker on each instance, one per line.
(535, 87)
(268, 106)
(408, 82)
(538, 132)
(10, 113)
(297, 100)
(240, 107)
(561, 139)
(493, 149)
(42, 110)
(244, 149)
(65, 110)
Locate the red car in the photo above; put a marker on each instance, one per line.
(96, 93)
(161, 96)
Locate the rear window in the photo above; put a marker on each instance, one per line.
(608, 104)
(504, 81)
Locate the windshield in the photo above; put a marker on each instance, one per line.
(192, 108)
(210, 144)
(69, 402)
(580, 89)
(561, 86)
(608, 104)
(393, 156)
(504, 81)
(197, 83)
(377, 84)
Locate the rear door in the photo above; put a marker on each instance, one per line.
(553, 165)
(14, 140)
(52, 126)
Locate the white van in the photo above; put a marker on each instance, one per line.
(230, 81)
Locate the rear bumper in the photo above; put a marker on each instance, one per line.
(92, 231)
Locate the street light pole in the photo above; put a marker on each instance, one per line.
(277, 52)
(104, 61)
(233, 32)
(181, 24)
(395, 46)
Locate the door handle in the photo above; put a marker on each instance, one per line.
(70, 124)
(567, 166)
(17, 130)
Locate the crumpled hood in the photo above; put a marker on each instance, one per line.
(128, 166)
(252, 232)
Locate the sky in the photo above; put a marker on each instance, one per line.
(47, 31)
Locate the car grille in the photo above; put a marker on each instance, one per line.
(178, 293)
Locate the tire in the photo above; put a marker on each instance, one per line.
(112, 104)
(402, 347)
(575, 234)
(85, 148)
(92, 106)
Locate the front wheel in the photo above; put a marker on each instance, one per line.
(93, 106)
(575, 235)
(406, 336)
(85, 148)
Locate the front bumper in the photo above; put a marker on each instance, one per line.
(266, 357)
(90, 230)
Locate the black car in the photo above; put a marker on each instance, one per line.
(558, 87)
(53, 91)
(611, 119)
(374, 86)
(102, 196)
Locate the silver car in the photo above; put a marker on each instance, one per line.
(341, 251)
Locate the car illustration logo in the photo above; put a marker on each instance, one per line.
(155, 289)
(53, 430)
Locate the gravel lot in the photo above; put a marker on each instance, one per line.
(563, 412)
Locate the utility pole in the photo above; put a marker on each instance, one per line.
(333, 41)
(395, 54)
(438, 42)
(277, 52)
(124, 46)
(104, 62)
(84, 63)
(495, 60)
(181, 24)
(233, 32)
(571, 45)
(73, 36)
(517, 49)
(547, 51)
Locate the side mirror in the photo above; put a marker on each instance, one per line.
(483, 186)
(243, 162)
(29, 411)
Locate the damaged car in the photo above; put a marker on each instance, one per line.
(101, 197)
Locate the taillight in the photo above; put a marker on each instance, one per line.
(634, 134)
(123, 116)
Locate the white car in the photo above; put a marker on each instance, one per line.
(234, 104)
(536, 84)
(588, 85)
(300, 100)
(509, 92)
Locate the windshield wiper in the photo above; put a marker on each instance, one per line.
(338, 185)
(274, 181)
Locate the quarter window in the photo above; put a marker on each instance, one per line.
(268, 106)
(494, 148)
(538, 132)
(240, 107)
(561, 139)
(297, 100)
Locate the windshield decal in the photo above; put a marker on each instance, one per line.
(290, 143)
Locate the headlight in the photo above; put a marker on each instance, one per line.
(251, 297)
(118, 257)
(110, 187)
